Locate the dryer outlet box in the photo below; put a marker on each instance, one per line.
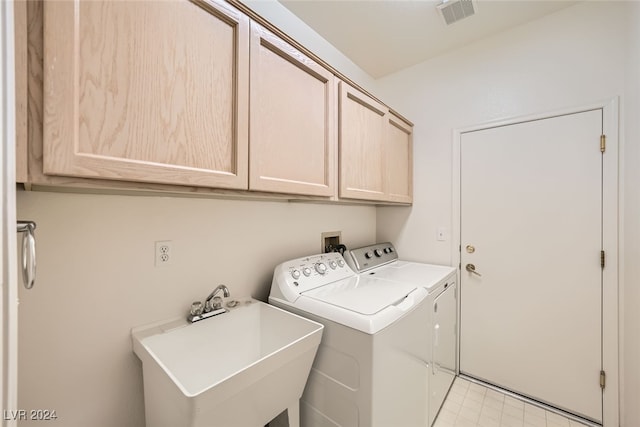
(329, 240)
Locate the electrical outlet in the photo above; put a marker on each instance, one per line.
(163, 253)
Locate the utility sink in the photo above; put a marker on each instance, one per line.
(240, 368)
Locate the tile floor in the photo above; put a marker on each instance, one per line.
(473, 405)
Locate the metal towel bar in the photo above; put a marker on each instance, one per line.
(28, 252)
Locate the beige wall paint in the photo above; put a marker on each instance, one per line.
(97, 280)
(574, 57)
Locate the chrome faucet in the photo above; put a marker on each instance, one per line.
(217, 301)
(212, 305)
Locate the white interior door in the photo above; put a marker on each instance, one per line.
(531, 224)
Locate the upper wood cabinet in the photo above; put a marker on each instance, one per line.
(192, 96)
(146, 91)
(292, 119)
(21, 93)
(375, 150)
(399, 160)
(362, 145)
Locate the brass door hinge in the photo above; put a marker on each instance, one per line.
(603, 143)
(601, 259)
(603, 379)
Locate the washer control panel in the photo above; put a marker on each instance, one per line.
(368, 257)
(302, 274)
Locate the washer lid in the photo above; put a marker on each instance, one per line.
(362, 294)
(425, 275)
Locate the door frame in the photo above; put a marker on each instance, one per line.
(611, 232)
(8, 250)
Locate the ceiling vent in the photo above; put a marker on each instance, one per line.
(455, 10)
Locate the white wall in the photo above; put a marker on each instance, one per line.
(291, 25)
(97, 280)
(574, 57)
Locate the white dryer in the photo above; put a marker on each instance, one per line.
(381, 261)
(371, 367)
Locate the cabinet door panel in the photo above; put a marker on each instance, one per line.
(362, 145)
(292, 119)
(21, 82)
(146, 91)
(399, 169)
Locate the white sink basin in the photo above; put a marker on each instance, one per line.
(241, 368)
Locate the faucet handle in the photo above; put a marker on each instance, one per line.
(196, 308)
(213, 304)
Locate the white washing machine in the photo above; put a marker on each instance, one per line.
(371, 368)
(381, 261)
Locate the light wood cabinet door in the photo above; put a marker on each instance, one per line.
(21, 82)
(362, 132)
(292, 119)
(146, 91)
(376, 150)
(399, 160)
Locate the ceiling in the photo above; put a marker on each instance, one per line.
(385, 36)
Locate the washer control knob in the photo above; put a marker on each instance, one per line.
(306, 271)
(295, 274)
(321, 267)
(378, 253)
(391, 249)
(368, 255)
(387, 250)
(340, 263)
(333, 265)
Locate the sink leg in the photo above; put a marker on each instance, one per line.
(293, 413)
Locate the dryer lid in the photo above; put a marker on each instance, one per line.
(362, 294)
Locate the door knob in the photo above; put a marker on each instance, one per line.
(472, 269)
